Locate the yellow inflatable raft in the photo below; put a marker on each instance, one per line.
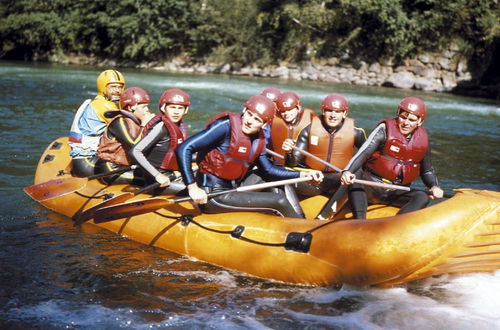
(457, 235)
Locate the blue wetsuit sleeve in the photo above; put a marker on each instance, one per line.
(267, 136)
(206, 140)
(273, 172)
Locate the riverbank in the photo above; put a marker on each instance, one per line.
(447, 71)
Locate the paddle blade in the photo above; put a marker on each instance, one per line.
(55, 188)
(130, 209)
(89, 213)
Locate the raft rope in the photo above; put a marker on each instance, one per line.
(299, 242)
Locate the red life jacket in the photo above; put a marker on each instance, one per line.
(281, 130)
(336, 148)
(178, 134)
(112, 150)
(400, 158)
(240, 155)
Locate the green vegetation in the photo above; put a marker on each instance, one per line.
(246, 31)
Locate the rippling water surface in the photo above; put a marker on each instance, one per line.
(55, 276)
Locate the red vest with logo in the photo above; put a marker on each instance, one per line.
(400, 157)
(336, 148)
(281, 130)
(112, 150)
(240, 155)
(178, 134)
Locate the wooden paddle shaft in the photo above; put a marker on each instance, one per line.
(308, 154)
(274, 153)
(363, 182)
(258, 186)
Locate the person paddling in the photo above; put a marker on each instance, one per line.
(230, 145)
(89, 122)
(161, 136)
(122, 133)
(397, 152)
(333, 138)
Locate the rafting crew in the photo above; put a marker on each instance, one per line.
(227, 148)
(397, 152)
(89, 122)
(333, 138)
(154, 153)
(121, 134)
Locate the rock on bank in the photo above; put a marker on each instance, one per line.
(446, 71)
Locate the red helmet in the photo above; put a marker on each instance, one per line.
(413, 105)
(334, 102)
(174, 96)
(271, 93)
(287, 101)
(132, 96)
(262, 106)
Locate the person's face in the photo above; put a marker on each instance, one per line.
(251, 123)
(175, 112)
(113, 91)
(407, 122)
(333, 119)
(140, 110)
(289, 116)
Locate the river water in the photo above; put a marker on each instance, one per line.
(55, 276)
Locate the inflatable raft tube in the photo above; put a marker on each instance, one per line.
(457, 235)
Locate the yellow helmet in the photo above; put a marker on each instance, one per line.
(108, 77)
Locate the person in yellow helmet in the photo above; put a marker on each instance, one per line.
(89, 122)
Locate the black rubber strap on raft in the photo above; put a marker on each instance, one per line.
(299, 242)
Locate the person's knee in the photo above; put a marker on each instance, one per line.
(82, 167)
(422, 198)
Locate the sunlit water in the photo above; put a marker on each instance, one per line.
(55, 276)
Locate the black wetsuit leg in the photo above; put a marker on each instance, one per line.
(331, 186)
(358, 201)
(176, 187)
(289, 190)
(252, 201)
(408, 201)
(83, 166)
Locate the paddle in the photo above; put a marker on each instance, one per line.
(130, 209)
(274, 153)
(58, 187)
(89, 213)
(366, 182)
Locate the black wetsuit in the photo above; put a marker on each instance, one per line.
(218, 135)
(149, 153)
(407, 200)
(118, 129)
(331, 183)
